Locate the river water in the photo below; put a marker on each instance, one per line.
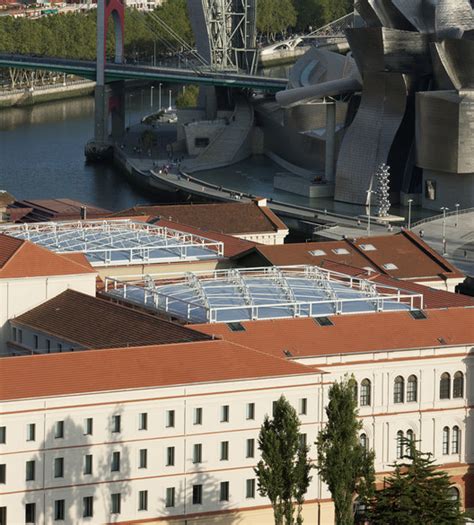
(42, 156)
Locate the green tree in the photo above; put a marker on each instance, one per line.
(309, 14)
(283, 473)
(275, 16)
(334, 9)
(188, 97)
(343, 463)
(415, 493)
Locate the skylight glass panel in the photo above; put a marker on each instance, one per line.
(340, 251)
(317, 253)
(368, 247)
(390, 266)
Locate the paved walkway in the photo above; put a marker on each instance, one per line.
(459, 239)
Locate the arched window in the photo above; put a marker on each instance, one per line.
(455, 440)
(399, 390)
(458, 384)
(399, 444)
(410, 435)
(453, 494)
(364, 442)
(445, 386)
(412, 389)
(365, 393)
(446, 440)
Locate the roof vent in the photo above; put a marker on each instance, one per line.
(287, 353)
(323, 321)
(340, 251)
(236, 327)
(442, 340)
(367, 247)
(418, 314)
(317, 253)
(390, 266)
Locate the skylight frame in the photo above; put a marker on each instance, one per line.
(118, 242)
(220, 297)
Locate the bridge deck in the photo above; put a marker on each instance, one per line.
(87, 69)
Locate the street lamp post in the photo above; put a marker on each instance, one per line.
(159, 96)
(444, 210)
(409, 213)
(151, 96)
(457, 214)
(169, 97)
(369, 195)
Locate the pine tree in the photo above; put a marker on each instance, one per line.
(343, 463)
(417, 492)
(283, 472)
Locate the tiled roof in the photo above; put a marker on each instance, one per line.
(98, 323)
(52, 209)
(432, 298)
(138, 367)
(19, 258)
(229, 218)
(411, 256)
(232, 245)
(352, 333)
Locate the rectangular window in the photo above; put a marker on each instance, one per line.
(20, 335)
(250, 448)
(250, 488)
(59, 467)
(170, 418)
(30, 513)
(143, 459)
(30, 470)
(59, 429)
(224, 491)
(224, 450)
(3, 516)
(88, 426)
(3, 473)
(143, 421)
(60, 347)
(48, 345)
(30, 432)
(250, 411)
(303, 440)
(143, 500)
(59, 509)
(170, 456)
(224, 413)
(274, 406)
(35, 342)
(170, 495)
(116, 423)
(115, 464)
(14, 333)
(116, 503)
(88, 507)
(197, 494)
(303, 406)
(3, 435)
(197, 453)
(197, 416)
(88, 464)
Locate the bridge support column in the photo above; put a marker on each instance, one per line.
(117, 109)
(330, 141)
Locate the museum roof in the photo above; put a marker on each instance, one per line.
(97, 323)
(229, 218)
(404, 255)
(348, 334)
(20, 258)
(137, 368)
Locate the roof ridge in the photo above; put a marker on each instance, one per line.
(22, 243)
